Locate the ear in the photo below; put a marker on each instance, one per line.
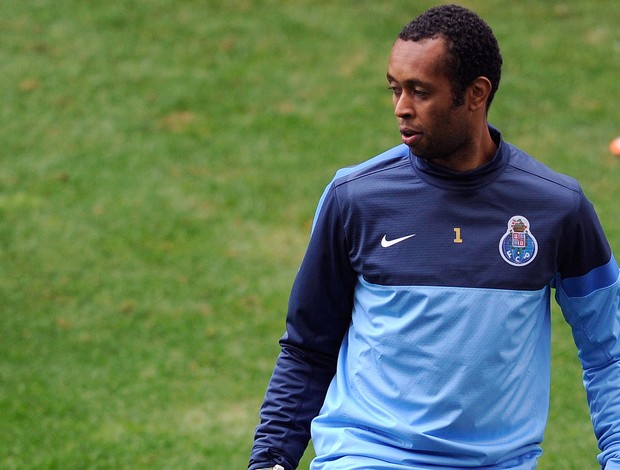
(478, 93)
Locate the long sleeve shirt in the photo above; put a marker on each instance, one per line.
(418, 327)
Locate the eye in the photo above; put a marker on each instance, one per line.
(396, 91)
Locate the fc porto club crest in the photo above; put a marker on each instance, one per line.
(518, 246)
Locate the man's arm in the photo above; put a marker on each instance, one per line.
(589, 294)
(594, 316)
(319, 314)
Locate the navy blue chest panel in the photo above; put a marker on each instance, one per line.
(494, 237)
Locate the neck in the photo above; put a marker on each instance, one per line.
(480, 151)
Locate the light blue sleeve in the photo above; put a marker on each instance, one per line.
(591, 305)
(613, 464)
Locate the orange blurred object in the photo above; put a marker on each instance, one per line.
(614, 146)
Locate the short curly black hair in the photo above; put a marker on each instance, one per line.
(472, 47)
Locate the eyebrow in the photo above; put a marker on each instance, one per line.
(409, 83)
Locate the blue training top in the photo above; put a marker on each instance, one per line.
(418, 330)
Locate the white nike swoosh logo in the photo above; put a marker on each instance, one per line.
(385, 243)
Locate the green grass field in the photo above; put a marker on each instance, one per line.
(161, 162)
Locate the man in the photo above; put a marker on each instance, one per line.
(418, 327)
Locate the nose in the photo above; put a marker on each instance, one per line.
(403, 106)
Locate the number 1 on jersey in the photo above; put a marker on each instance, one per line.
(457, 235)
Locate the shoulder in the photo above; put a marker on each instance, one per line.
(525, 166)
(343, 182)
(392, 158)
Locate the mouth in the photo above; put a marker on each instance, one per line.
(410, 137)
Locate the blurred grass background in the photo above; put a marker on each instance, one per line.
(160, 165)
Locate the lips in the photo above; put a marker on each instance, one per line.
(409, 136)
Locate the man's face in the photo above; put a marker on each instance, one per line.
(430, 123)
